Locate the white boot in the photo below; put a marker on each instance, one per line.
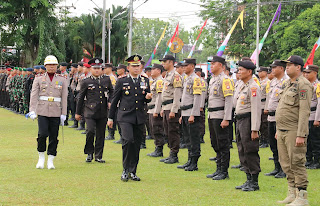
(50, 162)
(301, 199)
(40, 164)
(290, 197)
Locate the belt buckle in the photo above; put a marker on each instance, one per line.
(50, 99)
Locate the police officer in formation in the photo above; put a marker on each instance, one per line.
(219, 116)
(273, 97)
(248, 117)
(171, 96)
(292, 118)
(132, 92)
(48, 102)
(154, 108)
(97, 89)
(190, 114)
(313, 140)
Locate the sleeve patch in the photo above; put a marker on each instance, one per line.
(227, 87)
(159, 86)
(177, 82)
(318, 90)
(303, 94)
(254, 91)
(197, 87)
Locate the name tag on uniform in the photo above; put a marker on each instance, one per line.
(125, 83)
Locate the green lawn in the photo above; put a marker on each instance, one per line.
(75, 182)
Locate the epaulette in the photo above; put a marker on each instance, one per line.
(145, 76)
(119, 77)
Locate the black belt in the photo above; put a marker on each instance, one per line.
(151, 106)
(263, 100)
(167, 102)
(313, 109)
(272, 113)
(186, 107)
(215, 109)
(242, 116)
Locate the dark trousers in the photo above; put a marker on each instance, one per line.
(95, 127)
(248, 148)
(313, 142)
(202, 125)
(191, 134)
(156, 129)
(132, 135)
(48, 126)
(273, 142)
(147, 124)
(220, 142)
(115, 123)
(171, 129)
(264, 133)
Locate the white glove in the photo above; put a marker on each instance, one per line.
(32, 115)
(62, 119)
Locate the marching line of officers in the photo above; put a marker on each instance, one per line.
(281, 110)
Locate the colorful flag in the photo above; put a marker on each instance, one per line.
(195, 43)
(225, 42)
(157, 45)
(276, 15)
(172, 38)
(311, 56)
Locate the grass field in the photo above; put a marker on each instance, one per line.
(75, 182)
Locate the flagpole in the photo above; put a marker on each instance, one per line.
(257, 39)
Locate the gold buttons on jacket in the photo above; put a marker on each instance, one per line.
(100, 92)
(100, 97)
(136, 94)
(137, 108)
(100, 87)
(136, 101)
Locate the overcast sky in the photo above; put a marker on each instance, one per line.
(186, 10)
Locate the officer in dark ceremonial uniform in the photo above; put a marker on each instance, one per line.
(97, 89)
(133, 93)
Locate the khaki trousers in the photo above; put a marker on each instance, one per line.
(292, 158)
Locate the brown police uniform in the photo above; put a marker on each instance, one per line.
(49, 101)
(292, 121)
(248, 117)
(154, 107)
(171, 95)
(219, 109)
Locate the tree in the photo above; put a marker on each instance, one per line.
(31, 26)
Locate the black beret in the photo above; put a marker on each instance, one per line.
(217, 59)
(168, 57)
(157, 66)
(121, 66)
(189, 61)
(178, 65)
(310, 68)
(263, 69)
(197, 69)
(277, 62)
(148, 68)
(80, 64)
(114, 68)
(246, 64)
(108, 65)
(74, 65)
(64, 64)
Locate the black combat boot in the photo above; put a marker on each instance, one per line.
(173, 158)
(253, 184)
(194, 164)
(280, 174)
(111, 135)
(275, 171)
(249, 177)
(82, 126)
(217, 172)
(75, 124)
(187, 164)
(222, 175)
(158, 152)
(316, 163)
(309, 162)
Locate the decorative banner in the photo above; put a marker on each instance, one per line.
(177, 45)
(276, 15)
(225, 42)
(311, 56)
(171, 41)
(157, 45)
(194, 45)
